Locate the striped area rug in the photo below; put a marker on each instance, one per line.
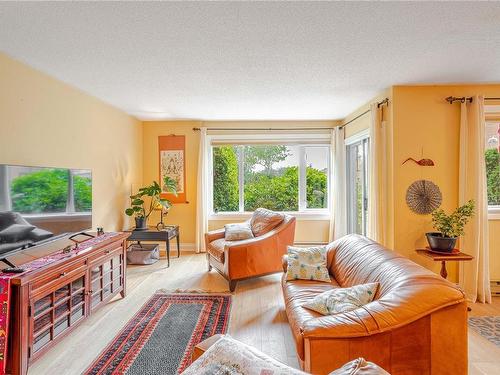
(161, 337)
(487, 326)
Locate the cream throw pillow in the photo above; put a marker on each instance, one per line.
(341, 300)
(238, 231)
(308, 263)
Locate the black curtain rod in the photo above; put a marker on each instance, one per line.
(244, 129)
(385, 101)
(463, 99)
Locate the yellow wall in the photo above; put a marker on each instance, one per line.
(425, 125)
(422, 124)
(45, 122)
(182, 214)
(185, 214)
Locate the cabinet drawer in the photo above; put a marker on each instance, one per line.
(104, 253)
(50, 280)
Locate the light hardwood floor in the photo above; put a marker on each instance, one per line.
(257, 318)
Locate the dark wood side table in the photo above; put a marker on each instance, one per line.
(153, 234)
(443, 258)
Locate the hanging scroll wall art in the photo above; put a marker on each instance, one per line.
(172, 161)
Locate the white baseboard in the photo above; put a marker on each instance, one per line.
(186, 246)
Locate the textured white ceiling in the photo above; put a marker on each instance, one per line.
(252, 60)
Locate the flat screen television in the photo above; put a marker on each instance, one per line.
(39, 204)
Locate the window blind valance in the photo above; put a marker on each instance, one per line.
(218, 137)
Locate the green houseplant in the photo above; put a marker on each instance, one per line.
(449, 227)
(148, 197)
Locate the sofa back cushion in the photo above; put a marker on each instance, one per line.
(264, 220)
(355, 260)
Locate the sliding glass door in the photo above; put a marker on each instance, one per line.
(357, 185)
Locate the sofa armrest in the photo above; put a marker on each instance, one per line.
(214, 235)
(203, 346)
(284, 263)
(388, 313)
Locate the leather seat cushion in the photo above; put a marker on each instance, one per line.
(297, 293)
(216, 249)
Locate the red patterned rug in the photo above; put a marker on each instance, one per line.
(161, 337)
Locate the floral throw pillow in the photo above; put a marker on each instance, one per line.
(231, 357)
(341, 300)
(308, 263)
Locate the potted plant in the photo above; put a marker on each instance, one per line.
(148, 197)
(449, 227)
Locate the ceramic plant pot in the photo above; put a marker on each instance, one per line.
(141, 223)
(439, 243)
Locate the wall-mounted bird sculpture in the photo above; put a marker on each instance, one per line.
(421, 162)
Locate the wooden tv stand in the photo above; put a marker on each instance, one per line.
(49, 302)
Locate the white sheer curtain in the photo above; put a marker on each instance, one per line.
(338, 199)
(377, 177)
(474, 276)
(202, 188)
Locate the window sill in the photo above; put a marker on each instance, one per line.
(494, 213)
(300, 216)
(66, 215)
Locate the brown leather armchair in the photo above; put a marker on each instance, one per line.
(416, 324)
(239, 260)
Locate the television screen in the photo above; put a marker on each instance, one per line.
(40, 204)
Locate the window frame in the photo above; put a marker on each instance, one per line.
(362, 138)
(493, 210)
(302, 140)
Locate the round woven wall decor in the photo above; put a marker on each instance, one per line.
(423, 197)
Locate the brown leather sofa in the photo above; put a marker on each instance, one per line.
(417, 323)
(258, 256)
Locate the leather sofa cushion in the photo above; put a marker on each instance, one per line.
(297, 293)
(216, 249)
(264, 220)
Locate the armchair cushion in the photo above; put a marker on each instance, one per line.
(264, 220)
(238, 231)
(216, 248)
(341, 300)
